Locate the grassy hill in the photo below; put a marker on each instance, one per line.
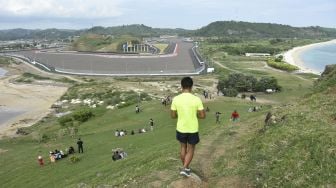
(102, 43)
(263, 30)
(138, 30)
(295, 149)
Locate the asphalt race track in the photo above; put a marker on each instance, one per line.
(183, 62)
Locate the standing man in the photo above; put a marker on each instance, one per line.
(80, 145)
(187, 108)
(151, 124)
(217, 117)
(137, 109)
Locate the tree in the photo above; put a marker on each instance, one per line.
(268, 83)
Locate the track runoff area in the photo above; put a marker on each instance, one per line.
(183, 60)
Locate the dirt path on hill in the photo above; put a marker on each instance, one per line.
(225, 67)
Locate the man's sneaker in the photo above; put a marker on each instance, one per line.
(185, 172)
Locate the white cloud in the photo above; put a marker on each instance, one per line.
(61, 8)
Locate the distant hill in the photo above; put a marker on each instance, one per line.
(262, 30)
(139, 30)
(14, 34)
(219, 28)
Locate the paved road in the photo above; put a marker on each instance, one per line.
(183, 62)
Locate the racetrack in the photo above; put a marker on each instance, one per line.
(181, 62)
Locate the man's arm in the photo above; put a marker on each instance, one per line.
(201, 114)
(173, 114)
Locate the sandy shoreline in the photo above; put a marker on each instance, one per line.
(33, 101)
(293, 56)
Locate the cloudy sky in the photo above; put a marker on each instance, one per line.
(189, 14)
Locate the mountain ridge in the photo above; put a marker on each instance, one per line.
(217, 28)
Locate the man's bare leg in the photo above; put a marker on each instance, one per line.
(183, 152)
(189, 155)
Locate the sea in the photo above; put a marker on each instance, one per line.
(2, 72)
(318, 57)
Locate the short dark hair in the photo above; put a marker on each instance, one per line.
(186, 83)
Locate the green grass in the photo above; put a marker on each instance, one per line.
(298, 151)
(100, 43)
(146, 153)
(161, 46)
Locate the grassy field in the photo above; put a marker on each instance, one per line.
(100, 43)
(161, 46)
(298, 150)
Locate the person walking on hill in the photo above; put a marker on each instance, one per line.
(217, 117)
(80, 146)
(137, 109)
(151, 124)
(187, 108)
(234, 116)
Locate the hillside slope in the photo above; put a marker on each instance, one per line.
(262, 30)
(296, 147)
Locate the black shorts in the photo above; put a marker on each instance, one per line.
(187, 138)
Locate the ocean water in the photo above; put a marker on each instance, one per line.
(2, 72)
(7, 114)
(318, 57)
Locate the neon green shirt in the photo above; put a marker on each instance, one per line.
(186, 105)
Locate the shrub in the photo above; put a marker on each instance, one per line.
(231, 92)
(267, 83)
(65, 120)
(74, 159)
(82, 115)
(279, 64)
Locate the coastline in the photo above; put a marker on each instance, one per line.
(293, 56)
(24, 104)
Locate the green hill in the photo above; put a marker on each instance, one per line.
(102, 43)
(296, 146)
(262, 30)
(218, 29)
(139, 30)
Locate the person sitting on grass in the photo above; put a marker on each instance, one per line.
(71, 150)
(40, 160)
(122, 133)
(63, 155)
(52, 157)
(234, 116)
(57, 154)
(116, 133)
(118, 154)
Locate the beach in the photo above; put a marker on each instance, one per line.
(22, 105)
(293, 56)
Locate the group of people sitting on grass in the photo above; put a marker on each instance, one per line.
(120, 133)
(59, 154)
(166, 100)
(254, 109)
(118, 154)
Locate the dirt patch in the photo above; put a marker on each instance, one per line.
(3, 151)
(232, 181)
(186, 182)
